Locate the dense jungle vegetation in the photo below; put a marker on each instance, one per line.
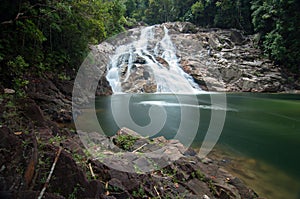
(43, 37)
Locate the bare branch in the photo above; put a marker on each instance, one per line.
(51, 172)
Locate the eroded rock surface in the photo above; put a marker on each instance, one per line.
(145, 168)
(218, 60)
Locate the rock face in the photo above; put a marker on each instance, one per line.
(135, 154)
(165, 168)
(225, 60)
(217, 60)
(27, 160)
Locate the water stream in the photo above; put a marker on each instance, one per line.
(260, 141)
(158, 61)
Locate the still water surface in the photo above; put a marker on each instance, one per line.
(260, 141)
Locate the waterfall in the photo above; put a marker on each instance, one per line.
(149, 64)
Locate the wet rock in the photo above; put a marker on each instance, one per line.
(163, 62)
(243, 190)
(149, 88)
(150, 172)
(140, 60)
(126, 85)
(198, 187)
(190, 152)
(103, 87)
(218, 60)
(237, 37)
(146, 75)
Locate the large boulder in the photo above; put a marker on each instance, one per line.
(217, 59)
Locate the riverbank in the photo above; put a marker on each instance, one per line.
(256, 172)
(36, 128)
(28, 158)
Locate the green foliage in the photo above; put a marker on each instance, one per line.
(125, 142)
(18, 66)
(274, 45)
(211, 13)
(222, 14)
(56, 140)
(75, 191)
(157, 11)
(48, 35)
(278, 22)
(140, 193)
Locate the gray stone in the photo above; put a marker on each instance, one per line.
(236, 37)
(127, 131)
(198, 187)
(218, 60)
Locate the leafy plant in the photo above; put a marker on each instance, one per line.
(56, 139)
(140, 193)
(75, 191)
(125, 142)
(200, 175)
(50, 36)
(276, 21)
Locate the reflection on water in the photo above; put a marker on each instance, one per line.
(267, 180)
(261, 134)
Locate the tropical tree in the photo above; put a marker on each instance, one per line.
(278, 23)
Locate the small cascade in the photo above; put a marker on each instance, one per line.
(149, 65)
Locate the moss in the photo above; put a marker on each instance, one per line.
(200, 175)
(140, 193)
(125, 142)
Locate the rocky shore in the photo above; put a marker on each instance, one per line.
(36, 131)
(26, 160)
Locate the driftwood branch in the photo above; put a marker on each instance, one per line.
(30, 173)
(136, 150)
(51, 172)
(91, 170)
(158, 195)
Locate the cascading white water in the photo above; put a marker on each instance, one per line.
(168, 77)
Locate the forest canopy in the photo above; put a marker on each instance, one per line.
(52, 35)
(277, 22)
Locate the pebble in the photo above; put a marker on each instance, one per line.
(206, 161)
(205, 197)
